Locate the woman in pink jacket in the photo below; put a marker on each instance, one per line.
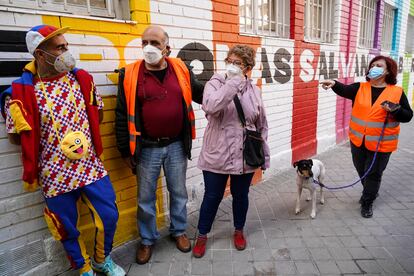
(222, 151)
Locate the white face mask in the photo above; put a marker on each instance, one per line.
(64, 62)
(152, 55)
(233, 70)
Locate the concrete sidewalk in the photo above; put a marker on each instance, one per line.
(338, 242)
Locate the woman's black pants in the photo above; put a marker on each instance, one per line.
(362, 158)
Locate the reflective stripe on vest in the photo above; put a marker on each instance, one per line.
(130, 89)
(374, 124)
(385, 138)
(356, 133)
(367, 119)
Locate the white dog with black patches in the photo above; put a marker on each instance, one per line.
(307, 171)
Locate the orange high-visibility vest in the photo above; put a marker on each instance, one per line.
(367, 119)
(130, 89)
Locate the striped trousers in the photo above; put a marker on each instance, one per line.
(62, 217)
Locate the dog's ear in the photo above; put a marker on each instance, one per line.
(310, 161)
(295, 164)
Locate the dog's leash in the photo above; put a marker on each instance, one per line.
(370, 166)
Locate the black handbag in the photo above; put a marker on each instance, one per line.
(253, 152)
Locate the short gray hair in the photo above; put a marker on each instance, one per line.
(166, 38)
(245, 52)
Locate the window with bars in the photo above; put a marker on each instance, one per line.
(367, 23)
(319, 20)
(387, 27)
(409, 42)
(102, 8)
(265, 17)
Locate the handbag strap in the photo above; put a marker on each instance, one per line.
(239, 110)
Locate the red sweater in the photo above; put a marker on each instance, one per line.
(161, 102)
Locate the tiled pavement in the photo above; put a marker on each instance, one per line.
(338, 242)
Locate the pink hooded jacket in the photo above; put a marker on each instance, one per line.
(222, 150)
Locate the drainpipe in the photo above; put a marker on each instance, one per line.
(348, 58)
(348, 42)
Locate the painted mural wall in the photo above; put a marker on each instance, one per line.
(304, 119)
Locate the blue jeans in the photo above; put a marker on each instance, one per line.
(174, 163)
(215, 184)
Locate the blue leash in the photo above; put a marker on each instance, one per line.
(370, 166)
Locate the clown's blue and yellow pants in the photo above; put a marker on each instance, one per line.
(62, 217)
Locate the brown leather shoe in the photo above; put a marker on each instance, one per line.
(144, 253)
(182, 242)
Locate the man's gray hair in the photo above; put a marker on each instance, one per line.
(166, 38)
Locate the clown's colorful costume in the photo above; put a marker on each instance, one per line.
(32, 109)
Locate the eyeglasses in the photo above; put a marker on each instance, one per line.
(234, 62)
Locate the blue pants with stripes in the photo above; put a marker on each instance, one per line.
(62, 217)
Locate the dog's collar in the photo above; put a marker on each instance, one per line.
(301, 175)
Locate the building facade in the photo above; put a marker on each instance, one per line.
(298, 43)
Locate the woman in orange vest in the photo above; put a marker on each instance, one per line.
(371, 101)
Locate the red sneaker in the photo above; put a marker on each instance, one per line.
(200, 246)
(239, 240)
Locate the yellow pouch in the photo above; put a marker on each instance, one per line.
(74, 145)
